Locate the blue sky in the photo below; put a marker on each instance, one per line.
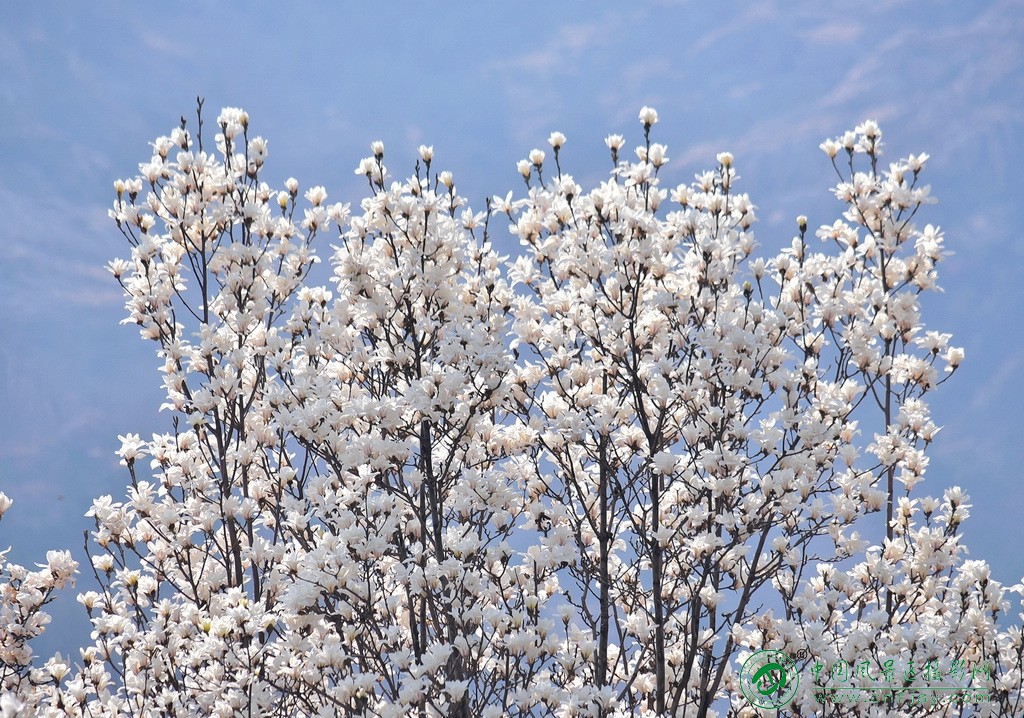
(85, 87)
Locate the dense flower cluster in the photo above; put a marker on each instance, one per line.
(586, 482)
(23, 596)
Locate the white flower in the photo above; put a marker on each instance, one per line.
(316, 195)
(11, 706)
(89, 599)
(338, 213)
(868, 128)
(664, 462)
(648, 116)
(426, 152)
(229, 115)
(57, 668)
(257, 150)
(292, 185)
(163, 146)
(710, 597)
(232, 120)
(525, 168)
(556, 140)
(456, 689)
(725, 159)
(615, 142)
(656, 156)
(131, 448)
(366, 167)
(537, 157)
(61, 566)
(830, 148)
(377, 147)
(953, 357)
(916, 162)
(5, 503)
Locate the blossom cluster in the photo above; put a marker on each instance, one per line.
(24, 595)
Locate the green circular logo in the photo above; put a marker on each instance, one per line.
(769, 679)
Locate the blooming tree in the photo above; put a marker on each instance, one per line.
(912, 598)
(586, 482)
(652, 364)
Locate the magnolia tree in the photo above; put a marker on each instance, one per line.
(592, 481)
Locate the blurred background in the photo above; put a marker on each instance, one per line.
(85, 87)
